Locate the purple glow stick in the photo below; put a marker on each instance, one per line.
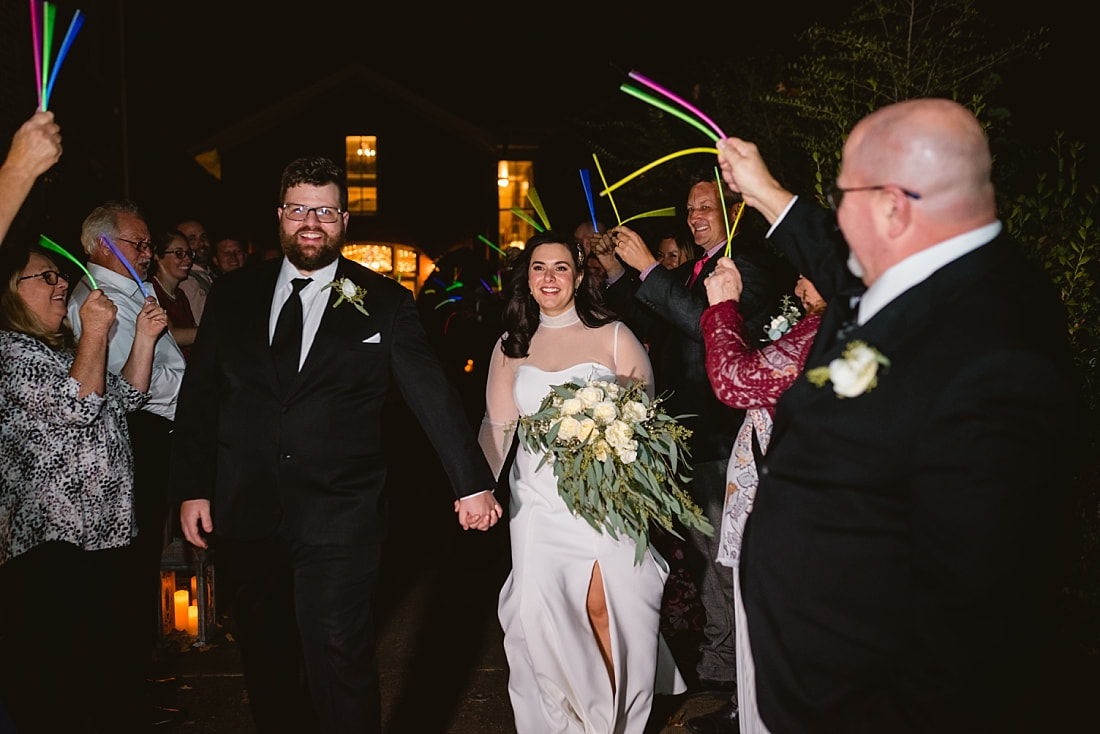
(74, 27)
(114, 248)
(37, 50)
(683, 103)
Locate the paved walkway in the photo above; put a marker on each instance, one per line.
(442, 661)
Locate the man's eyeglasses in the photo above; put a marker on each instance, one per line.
(180, 254)
(298, 212)
(50, 276)
(139, 246)
(835, 194)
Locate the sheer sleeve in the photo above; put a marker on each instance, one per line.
(744, 378)
(631, 359)
(501, 413)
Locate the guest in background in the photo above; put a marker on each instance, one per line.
(66, 501)
(172, 261)
(675, 249)
(197, 285)
(751, 380)
(230, 253)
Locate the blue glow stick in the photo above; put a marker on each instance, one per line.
(114, 248)
(587, 182)
(74, 27)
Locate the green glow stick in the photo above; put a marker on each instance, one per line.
(490, 244)
(47, 41)
(686, 151)
(632, 91)
(666, 212)
(604, 180)
(533, 197)
(44, 241)
(527, 218)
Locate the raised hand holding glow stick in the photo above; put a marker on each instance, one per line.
(114, 248)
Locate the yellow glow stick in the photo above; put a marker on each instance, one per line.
(533, 197)
(527, 218)
(666, 212)
(607, 190)
(733, 230)
(725, 214)
(686, 151)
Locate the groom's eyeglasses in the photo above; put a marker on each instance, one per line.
(834, 195)
(298, 213)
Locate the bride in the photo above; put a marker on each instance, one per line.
(580, 619)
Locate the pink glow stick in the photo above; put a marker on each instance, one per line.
(37, 50)
(678, 100)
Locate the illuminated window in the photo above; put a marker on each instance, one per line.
(513, 182)
(361, 152)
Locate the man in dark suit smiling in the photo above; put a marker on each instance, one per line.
(899, 569)
(278, 451)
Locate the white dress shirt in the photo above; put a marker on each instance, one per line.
(314, 299)
(168, 361)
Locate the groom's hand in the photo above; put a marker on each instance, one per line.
(478, 511)
(195, 521)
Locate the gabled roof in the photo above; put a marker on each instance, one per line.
(354, 74)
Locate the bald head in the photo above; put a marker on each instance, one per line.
(927, 166)
(934, 147)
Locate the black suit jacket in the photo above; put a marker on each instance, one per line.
(897, 565)
(664, 311)
(311, 457)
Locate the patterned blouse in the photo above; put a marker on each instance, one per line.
(752, 380)
(66, 471)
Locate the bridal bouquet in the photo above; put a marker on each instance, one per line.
(620, 459)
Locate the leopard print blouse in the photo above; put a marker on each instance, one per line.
(66, 471)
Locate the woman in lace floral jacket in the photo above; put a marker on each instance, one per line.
(66, 498)
(750, 379)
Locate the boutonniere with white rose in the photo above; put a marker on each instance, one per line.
(785, 321)
(349, 292)
(853, 373)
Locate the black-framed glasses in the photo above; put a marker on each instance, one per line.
(298, 212)
(180, 254)
(139, 246)
(834, 195)
(50, 276)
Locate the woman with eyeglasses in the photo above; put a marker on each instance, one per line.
(66, 499)
(172, 261)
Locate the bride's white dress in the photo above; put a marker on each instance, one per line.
(558, 682)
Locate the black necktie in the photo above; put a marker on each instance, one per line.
(286, 345)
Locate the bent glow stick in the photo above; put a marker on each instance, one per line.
(114, 248)
(668, 108)
(74, 27)
(678, 100)
(686, 151)
(46, 242)
(666, 212)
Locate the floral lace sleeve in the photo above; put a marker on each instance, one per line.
(744, 378)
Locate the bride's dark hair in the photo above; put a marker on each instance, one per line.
(521, 312)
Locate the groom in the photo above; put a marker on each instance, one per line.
(277, 452)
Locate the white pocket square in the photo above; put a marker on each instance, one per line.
(375, 338)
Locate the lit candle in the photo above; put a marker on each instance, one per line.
(193, 619)
(194, 580)
(180, 602)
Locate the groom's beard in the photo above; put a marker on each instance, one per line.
(309, 262)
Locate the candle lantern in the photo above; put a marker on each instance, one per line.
(187, 598)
